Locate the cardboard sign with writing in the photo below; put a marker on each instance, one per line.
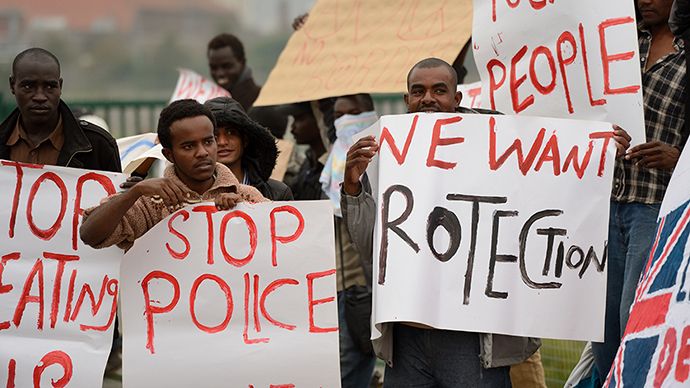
(365, 46)
(576, 60)
(655, 348)
(243, 297)
(493, 224)
(58, 298)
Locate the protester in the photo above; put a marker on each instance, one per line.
(228, 68)
(352, 114)
(42, 129)
(271, 118)
(305, 184)
(641, 178)
(416, 355)
(186, 130)
(246, 148)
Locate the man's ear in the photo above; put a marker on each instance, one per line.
(168, 155)
(458, 98)
(12, 81)
(406, 97)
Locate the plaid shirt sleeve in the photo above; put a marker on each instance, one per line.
(663, 90)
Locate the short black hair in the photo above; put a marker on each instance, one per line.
(432, 63)
(34, 52)
(227, 40)
(178, 110)
(364, 101)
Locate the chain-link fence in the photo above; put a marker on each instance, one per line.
(558, 358)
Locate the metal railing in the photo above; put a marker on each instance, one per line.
(127, 118)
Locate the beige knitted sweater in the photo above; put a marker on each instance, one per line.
(145, 213)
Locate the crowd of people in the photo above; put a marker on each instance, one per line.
(224, 150)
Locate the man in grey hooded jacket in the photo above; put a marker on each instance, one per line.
(425, 356)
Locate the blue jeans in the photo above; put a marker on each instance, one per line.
(355, 368)
(632, 227)
(439, 358)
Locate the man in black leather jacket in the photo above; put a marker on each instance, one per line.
(43, 130)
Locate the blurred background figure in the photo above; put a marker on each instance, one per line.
(228, 68)
(352, 114)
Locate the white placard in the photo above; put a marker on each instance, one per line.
(134, 150)
(493, 224)
(192, 85)
(566, 59)
(58, 297)
(244, 296)
(471, 94)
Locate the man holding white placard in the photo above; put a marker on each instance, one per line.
(425, 356)
(187, 132)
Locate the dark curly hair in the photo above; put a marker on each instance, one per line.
(178, 110)
(227, 40)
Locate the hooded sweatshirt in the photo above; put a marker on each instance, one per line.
(259, 155)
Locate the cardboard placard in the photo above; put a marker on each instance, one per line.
(365, 46)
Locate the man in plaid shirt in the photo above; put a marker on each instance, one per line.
(641, 178)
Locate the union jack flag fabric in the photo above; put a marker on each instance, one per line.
(655, 350)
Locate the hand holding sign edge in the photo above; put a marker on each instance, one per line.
(358, 158)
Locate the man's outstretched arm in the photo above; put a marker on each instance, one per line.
(102, 221)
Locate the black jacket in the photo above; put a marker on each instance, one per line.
(86, 145)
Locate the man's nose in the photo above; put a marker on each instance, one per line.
(202, 152)
(428, 97)
(40, 95)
